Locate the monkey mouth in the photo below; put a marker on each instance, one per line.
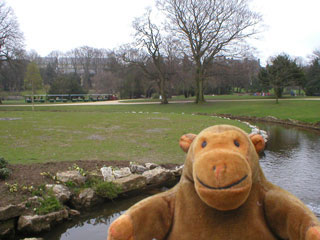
(224, 187)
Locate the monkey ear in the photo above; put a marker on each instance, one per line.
(186, 140)
(258, 142)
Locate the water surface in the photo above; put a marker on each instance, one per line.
(292, 161)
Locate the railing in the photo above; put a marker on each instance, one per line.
(69, 98)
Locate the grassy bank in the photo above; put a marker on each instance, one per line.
(28, 137)
(218, 97)
(140, 133)
(302, 110)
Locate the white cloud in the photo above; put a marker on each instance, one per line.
(66, 24)
(63, 25)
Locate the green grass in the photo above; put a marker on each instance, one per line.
(43, 136)
(48, 204)
(140, 133)
(174, 98)
(215, 97)
(302, 110)
(108, 190)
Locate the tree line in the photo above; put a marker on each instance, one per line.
(110, 71)
(283, 71)
(200, 49)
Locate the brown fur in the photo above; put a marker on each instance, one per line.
(222, 194)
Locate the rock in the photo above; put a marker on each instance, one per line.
(139, 169)
(94, 173)
(294, 121)
(255, 131)
(7, 229)
(107, 174)
(271, 118)
(132, 182)
(71, 176)
(178, 171)
(263, 132)
(151, 166)
(158, 175)
(123, 172)
(34, 200)
(73, 212)
(11, 211)
(32, 239)
(85, 199)
(38, 223)
(61, 192)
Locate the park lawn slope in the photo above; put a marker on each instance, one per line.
(45, 136)
(302, 110)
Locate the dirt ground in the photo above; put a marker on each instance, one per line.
(30, 175)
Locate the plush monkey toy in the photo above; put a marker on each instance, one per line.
(222, 194)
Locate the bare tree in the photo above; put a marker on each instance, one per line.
(11, 38)
(209, 28)
(148, 37)
(315, 54)
(33, 56)
(105, 82)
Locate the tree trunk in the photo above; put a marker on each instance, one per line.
(278, 93)
(164, 99)
(185, 93)
(199, 90)
(32, 97)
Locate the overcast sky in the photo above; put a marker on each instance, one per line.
(292, 26)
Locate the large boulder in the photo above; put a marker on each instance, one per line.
(151, 166)
(11, 211)
(61, 192)
(132, 182)
(139, 169)
(38, 223)
(85, 199)
(107, 174)
(71, 176)
(158, 175)
(122, 172)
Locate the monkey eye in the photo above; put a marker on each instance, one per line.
(236, 143)
(204, 144)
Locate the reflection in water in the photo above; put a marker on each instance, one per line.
(291, 161)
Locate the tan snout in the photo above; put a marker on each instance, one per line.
(222, 178)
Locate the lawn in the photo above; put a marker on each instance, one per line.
(42, 136)
(302, 110)
(141, 133)
(217, 97)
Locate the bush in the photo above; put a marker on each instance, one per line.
(107, 190)
(3, 163)
(4, 171)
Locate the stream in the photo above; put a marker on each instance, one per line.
(291, 161)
